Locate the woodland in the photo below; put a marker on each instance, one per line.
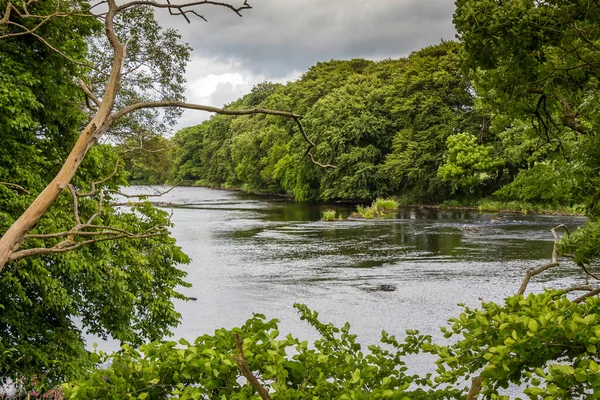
(507, 113)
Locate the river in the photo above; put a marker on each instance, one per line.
(409, 270)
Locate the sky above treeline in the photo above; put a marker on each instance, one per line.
(278, 40)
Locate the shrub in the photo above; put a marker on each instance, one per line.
(385, 204)
(328, 215)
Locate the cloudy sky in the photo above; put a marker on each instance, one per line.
(277, 40)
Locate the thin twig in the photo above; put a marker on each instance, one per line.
(15, 186)
(533, 272)
(588, 294)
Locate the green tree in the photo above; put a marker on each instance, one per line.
(429, 101)
(468, 165)
(536, 61)
(148, 160)
(42, 298)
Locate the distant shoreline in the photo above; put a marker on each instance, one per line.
(284, 196)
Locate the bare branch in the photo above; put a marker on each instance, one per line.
(15, 186)
(75, 203)
(200, 107)
(129, 196)
(69, 245)
(561, 226)
(89, 95)
(183, 8)
(324, 166)
(94, 184)
(475, 388)
(533, 272)
(160, 104)
(245, 370)
(99, 210)
(578, 288)
(145, 150)
(588, 294)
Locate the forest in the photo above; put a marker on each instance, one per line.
(507, 115)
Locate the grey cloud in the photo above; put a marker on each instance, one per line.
(279, 36)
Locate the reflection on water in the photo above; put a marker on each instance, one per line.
(406, 271)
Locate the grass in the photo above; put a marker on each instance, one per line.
(385, 204)
(328, 215)
(517, 206)
(377, 209)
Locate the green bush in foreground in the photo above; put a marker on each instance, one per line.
(545, 343)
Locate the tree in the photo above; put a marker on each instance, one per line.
(534, 65)
(147, 159)
(72, 262)
(125, 26)
(430, 101)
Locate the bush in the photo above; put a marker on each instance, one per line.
(377, 209)
(544, 343)
(385, 204)
(328, 215)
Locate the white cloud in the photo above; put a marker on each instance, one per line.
(216, 83)
(278, 40)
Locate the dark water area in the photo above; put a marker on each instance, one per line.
(409, 270)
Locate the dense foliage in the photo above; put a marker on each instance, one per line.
(384, 125)
(545, 343)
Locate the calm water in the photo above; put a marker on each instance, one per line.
(408, 271)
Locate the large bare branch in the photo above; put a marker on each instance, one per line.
(225, 111)
(533, 272)
(190, 106)
(182, 8)
(69, 245)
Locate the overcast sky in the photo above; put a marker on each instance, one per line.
(278, 40)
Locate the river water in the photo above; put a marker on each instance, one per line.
(409, 270)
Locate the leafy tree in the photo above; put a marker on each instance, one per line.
(429, 102)
(48, 303)
(354, 132)
(535, 61)
(147, 161)
(468, 165)
(538, 58)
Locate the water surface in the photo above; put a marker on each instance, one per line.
(406, 271)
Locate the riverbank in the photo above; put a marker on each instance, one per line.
(482, 205)
(487, 205)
